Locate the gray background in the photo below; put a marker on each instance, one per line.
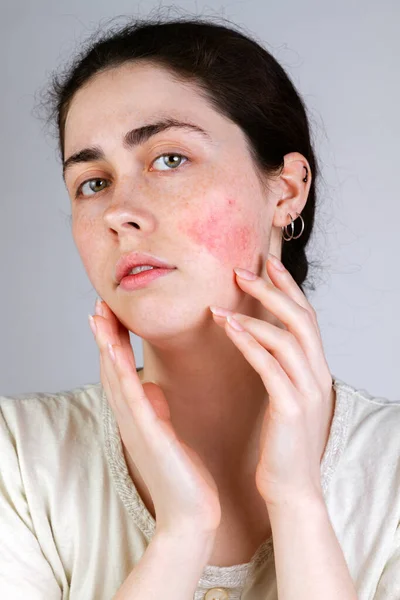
(344, 59)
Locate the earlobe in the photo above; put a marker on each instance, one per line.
(291, 236)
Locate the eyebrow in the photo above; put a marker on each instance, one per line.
(134, 137)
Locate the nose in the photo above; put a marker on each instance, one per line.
(129, 211)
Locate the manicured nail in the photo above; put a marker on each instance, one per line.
(92, 325)
(235, 324)
(220, 312)
(276, 262)
(245, 274)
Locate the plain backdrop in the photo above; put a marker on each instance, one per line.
(343, 57)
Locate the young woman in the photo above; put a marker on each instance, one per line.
(234, 465)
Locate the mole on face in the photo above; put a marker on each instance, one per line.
(222, 234)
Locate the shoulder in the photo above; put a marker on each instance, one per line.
(366, 412)
(366, 409)
(367, 429)
(362, 395)
(37, 414)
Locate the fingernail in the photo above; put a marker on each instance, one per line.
(92, 325)
(245, 274)
(220, 312)
(99, 310)
(276, 262)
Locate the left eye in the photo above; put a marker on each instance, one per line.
(171, 158)
(93, 183)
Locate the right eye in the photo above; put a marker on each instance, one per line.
(92, 183)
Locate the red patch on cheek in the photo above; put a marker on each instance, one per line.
(222, 235)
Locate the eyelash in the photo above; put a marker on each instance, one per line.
(79, 189)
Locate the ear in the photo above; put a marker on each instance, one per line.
(294, 189)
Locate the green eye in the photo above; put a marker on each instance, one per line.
(173, 160)
(171, 157)
(92, 183)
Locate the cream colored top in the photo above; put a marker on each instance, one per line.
(72, 525)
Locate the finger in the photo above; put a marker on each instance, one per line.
(297, 319)
(116, 332)
(105, 382)
(284, 281)
(285, 348)
(119, 330)
(126, 392)
(108, 373)
(283, 396)
(103, 376)
(136, 406)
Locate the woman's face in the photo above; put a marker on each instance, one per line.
(203, 212)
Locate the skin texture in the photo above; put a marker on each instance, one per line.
(206, 216)
(227, 242)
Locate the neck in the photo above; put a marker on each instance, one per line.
(217, 400)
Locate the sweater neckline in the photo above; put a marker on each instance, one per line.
(234, 575)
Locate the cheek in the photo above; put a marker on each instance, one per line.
(89, 245)
(222, 234)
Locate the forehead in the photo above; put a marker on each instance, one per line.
(117, 99)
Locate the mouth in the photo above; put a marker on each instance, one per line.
(143, 278)
(135, 260)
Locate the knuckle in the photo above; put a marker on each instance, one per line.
(311, 310)
(272, 366)
(310, 318)
(288, 340)
(291, 340)
(314, 398)
(293, 412)
(308, 314)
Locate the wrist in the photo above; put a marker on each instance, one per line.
(298, 503)
(195, 547)
(187, 539)
(190, 534)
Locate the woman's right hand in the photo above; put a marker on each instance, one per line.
(184, 493)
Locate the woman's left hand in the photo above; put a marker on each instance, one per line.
(294, 370)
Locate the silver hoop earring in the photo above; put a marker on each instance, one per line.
(284, 229)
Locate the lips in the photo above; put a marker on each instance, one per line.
(135, 259)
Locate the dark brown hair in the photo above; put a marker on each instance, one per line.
(237, 76)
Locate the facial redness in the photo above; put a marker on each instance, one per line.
(223, 234)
